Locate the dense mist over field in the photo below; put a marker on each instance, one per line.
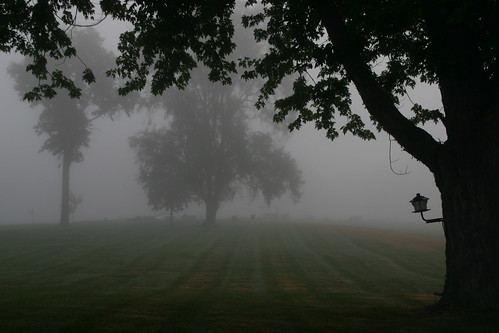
(348, 179)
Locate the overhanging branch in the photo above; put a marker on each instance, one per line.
(379, 103)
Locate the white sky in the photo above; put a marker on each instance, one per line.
(345, 179)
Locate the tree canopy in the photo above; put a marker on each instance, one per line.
(207, 152)
(162, 169)
(65, 121)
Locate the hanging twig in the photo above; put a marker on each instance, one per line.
(398, 173)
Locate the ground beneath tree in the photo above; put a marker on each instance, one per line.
(236, 277)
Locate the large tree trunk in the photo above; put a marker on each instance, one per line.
(466, 167)
(211, 212)
(66, 163)
(468, 181)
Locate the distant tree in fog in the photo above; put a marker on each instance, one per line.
(67, 121)
(208, 151)
(74, 202)
(162, 174)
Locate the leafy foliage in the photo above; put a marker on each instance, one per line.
(172, 37)
(422, 115)
(162, 167)
(37, 30)
(208, 151)
(66, 120)
(66, 126)
(74, 202)
(416, 42)
(271, 170)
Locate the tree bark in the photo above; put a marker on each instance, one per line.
(211, 212)
(468, 182)
(66, 163)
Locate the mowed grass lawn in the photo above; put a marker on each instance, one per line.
(236, 277)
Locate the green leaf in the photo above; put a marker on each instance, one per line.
(88, 76)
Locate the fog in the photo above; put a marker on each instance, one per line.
(348, 180)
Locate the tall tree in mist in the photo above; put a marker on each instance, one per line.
(67, 121)
(452, 45)
(207, 151)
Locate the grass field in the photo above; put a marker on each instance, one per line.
(253, 277)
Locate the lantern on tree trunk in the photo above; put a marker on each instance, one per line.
(420, 206)
(419, 202)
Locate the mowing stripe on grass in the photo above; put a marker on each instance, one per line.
(244, 277)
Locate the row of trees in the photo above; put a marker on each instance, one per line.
(206, 153)
(452, 44)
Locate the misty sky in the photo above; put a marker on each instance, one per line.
(345, 179)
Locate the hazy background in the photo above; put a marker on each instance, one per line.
(348, 179)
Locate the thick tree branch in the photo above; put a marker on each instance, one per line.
(379, 103)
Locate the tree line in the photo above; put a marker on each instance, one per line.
(204, 153)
